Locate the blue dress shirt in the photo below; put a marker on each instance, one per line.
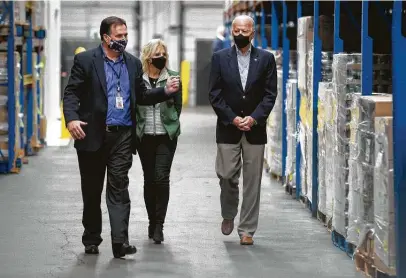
(115, 116)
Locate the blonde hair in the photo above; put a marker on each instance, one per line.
(149, 50)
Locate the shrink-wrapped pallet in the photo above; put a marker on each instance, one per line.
(325, 89)
(361, 198)
(361, 164)
(274, 133)
(329, 168)
(346, 82)
(291, 133)
(384, 204)
(273, 149)
(326, 76)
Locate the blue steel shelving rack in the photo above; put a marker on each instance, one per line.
(399, 133)
(399, 95)
(29, 82)
(13, 163)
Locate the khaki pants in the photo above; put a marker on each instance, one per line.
(230, 159)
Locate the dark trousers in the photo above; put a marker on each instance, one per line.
(156, 155)
(116, 156)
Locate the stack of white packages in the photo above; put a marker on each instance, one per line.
(325, 92)
(291, 133)
(384, 199)
(274, 133)
(346, 82)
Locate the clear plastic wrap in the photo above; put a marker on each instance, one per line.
(304, 39)
(291, 133)
(384, 243)
(361, 211)
(330, 113)
(325, 89)
(346, 82)
(326, 76)
(275, 133)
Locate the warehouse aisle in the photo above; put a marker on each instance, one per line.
(40, 231)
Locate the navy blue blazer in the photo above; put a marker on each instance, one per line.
(229, 99)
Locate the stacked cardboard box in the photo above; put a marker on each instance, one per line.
(384, 205)
(361, 197)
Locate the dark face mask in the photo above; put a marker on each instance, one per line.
(159, 62)
(241, 41)
(118, 45)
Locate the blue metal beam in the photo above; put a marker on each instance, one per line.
(298, 151)
(316, 80)
(366, 54)
(254, 17)
(275, 27)
(399, 135)
(11, 102)
(30, 92)
(338, 42)
(285, 75)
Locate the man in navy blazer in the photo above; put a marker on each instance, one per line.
(99, 104)
(243, 90)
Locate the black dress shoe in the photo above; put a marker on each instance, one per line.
(92, 249)
(120, 249)
(158, 234)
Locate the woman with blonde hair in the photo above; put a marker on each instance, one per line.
(158, 128)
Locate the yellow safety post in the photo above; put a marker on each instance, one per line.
(65, 133)
(185, 78)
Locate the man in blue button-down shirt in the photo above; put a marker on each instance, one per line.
(99, 105)
(115, 116)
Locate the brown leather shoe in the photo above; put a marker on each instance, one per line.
(246, 240)
(227, 226)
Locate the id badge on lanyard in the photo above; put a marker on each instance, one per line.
(119, 99)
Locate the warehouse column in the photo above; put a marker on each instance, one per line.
(52, 84)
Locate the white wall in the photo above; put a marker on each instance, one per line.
(200, 21)
(82, 19)
(52, 72)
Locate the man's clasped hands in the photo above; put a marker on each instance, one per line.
(244, 124)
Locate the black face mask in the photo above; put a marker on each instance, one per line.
(241, 41)
(159, 62)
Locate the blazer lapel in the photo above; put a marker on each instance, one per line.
(233, 63)
(99, 66)
(252, 70)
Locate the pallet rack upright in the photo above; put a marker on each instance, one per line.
(11, 164)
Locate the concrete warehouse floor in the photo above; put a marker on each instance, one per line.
(41, 209)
